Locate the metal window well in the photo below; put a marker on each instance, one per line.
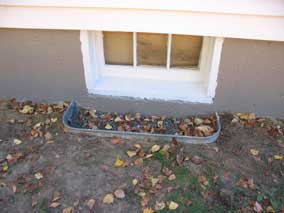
(72, 112)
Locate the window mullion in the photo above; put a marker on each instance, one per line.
(134, 49)
(169, 45)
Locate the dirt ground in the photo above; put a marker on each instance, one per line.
(45, 168)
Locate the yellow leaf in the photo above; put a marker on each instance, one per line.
(254, 152)
(5, 168)
(17, 141)
(108, 126)
(119, 163)
(27, 109)
(148, 210)
(134, 182)
(38, 175)
(108, 199)
(154, 181)
(173, 205)
(155, 148)
(131, 153)
(278, 157)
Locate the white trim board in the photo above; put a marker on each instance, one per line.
(150, 82)
(244, 7)
(261, 27)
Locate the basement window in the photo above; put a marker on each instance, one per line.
(150, 65)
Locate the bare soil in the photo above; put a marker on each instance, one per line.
(241, 172)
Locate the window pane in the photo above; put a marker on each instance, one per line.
(152, 49)
(118, 48)
(185, 50)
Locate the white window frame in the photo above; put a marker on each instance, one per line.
(194, 85)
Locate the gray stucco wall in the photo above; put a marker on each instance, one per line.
(47, 65)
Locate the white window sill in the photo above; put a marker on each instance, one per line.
(152, 89)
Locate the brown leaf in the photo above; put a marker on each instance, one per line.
(197, 160)
(34, 201)
(119, 193)
(14, 188)
(205, 129)
(131, 153)
(138, 161)
(68, 210)
(172, 177)
(54, 205)
(56, 196)
(167, 171)
(91, 203)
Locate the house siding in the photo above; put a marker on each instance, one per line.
(46, 65)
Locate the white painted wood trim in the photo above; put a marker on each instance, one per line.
(169, 49)
(214, 68)
(134, 49)
(261, 27)
(247, 7)
(195, 85)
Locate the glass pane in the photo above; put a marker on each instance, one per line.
(152, 49)
(118, 48)
(185, 50)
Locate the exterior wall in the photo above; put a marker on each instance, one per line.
(47, 65)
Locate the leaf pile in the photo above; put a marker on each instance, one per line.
(188, 126)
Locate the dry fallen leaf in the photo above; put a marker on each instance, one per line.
(34, 201)
(155, 148)
(172, 177)
(68, 210)
(203, 180)
(27, 109)
(131, 153)
(119, 163)
(56, 196)
(137, 146)
(91, 203)
(254, 152)
(205, 129)
(119, 193)
(167, 171)
(17, 141)
(138, 161)
(134, 182)
(148, 210)
(38, 176)
(14, 188)
(173, 205)
(108, 199)
(160, 205)
(154, 181)
(108, 126)
(278, 157)
(54, 205)
(196, 160)
(257, 207)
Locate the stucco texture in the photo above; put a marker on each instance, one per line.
(46, 65)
